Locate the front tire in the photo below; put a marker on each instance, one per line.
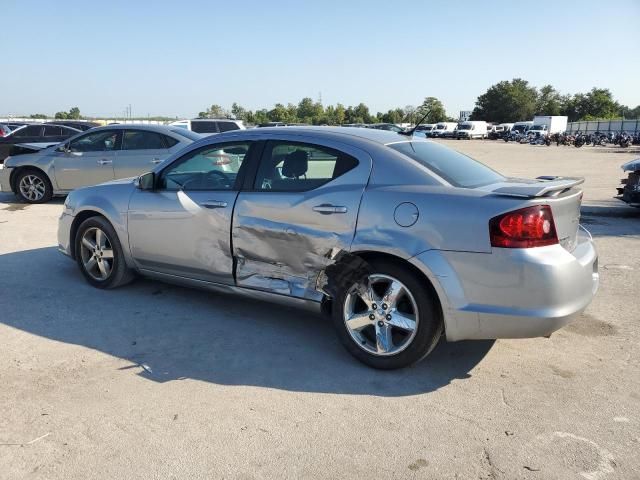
(33, 186)
(389, 320)
(99, 254)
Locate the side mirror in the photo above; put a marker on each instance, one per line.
(146, 181)
(64, 148)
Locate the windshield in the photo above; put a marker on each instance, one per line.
(457, 169)
(187, 133)
(464, 127)
(440, 126)
(519, 128)
(538, 127)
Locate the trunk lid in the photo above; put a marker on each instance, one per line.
(562, 194)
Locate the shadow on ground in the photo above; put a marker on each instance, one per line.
(611, 219)
(178, 333)
(9, 202)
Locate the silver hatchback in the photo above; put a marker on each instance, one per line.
(399, 239)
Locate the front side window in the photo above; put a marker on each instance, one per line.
(214, 167)
(457, 169)
(142, 140)
(298, 167)
(103, 141)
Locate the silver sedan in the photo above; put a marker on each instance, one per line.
(94, 156)
(399, 239)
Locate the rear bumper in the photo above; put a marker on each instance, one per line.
(512, 293)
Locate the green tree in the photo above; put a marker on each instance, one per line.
(39, 116)
(214, 111)
(239, 112)
(549, 102)
(74, 114)
(278, 114)
(340, 114)
(61, 115)
(506, 102)
(434, 109)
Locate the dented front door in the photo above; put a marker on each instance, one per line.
(283, 239)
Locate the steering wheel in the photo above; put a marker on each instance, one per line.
(201, 179)
(225, 178)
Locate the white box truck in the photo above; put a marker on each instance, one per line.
(548, 124)
(471, 129)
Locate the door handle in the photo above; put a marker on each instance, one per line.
(104, 161)
(213, 204)
(156, 161)
(327, 209)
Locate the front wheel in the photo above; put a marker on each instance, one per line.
(99, 254)
(389, 319)
(33, 186)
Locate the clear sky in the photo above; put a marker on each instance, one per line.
(177, 57)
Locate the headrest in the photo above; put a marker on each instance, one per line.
(295, 164)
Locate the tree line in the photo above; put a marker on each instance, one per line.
(510, 101)
(506, 101)
(315, 113)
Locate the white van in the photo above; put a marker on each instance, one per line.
(209, 126)
(472, 129)
(443, 127)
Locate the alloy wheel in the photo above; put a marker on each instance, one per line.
(381, 316)
(32, 187)
(97, 254)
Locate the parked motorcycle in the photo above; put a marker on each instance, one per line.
(625, 140)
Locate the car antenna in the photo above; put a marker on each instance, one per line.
(413, 130)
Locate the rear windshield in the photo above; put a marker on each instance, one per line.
(187, 133)
(457, 169)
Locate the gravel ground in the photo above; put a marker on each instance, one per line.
(154, 381)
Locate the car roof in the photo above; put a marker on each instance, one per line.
(382, 137)
(215, 120)
(135, 126)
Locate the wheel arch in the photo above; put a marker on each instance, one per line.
(16, 171)
(77, 221)
(370, 255)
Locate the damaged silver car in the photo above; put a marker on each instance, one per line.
(399, 239)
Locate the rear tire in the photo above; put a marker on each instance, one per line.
(384, 336)
(33, 186)
(99, 254)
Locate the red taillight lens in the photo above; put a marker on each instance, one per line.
(525, 228)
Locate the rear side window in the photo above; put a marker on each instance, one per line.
(457, 169)
(169, 141)
(204, 127)
(227, 126)
(142, 140)
(298, 167)
(52, 131)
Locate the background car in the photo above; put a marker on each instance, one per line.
(42, 134)
(209, 126)
(82, 125)
(4, 130)
(352, 222)
(95, 156)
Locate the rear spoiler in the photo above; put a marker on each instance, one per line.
(548, 186)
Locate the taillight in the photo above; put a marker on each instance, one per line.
(525, 228)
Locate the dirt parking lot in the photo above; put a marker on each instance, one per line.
(153, 381)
